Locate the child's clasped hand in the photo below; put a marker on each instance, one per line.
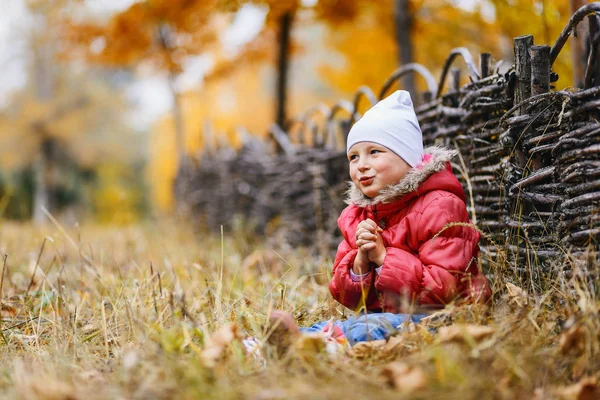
(370, 245)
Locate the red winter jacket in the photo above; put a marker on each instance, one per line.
(419, 269)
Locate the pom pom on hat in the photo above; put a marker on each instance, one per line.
(391, 123)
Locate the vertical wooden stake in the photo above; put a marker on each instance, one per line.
(523, 69)
(485, 64)
(455, 82)
(540, 69)
(427, 96)
(592, 73)
(578, 39)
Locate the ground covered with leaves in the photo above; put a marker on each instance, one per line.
(157, 311)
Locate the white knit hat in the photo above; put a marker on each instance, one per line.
(391, 123)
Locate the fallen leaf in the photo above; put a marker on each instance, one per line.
(363, 350)
(403, 377)
(516, 295)
(271, 394)
(310, 344)
(464, 333)
(539, 394)
(585, 389)
(572, 340)
(216, 344)
(579, 368)
(8, 310)
(253, 260)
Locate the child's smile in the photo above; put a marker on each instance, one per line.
(373, 167)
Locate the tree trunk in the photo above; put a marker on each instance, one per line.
(44, 90)
(403, 23)
(285, 26)
(166, 41)
(178, 119)
(578, 46)
(40, 190)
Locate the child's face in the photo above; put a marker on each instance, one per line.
(373, 167)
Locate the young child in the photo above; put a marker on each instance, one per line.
(399, 258)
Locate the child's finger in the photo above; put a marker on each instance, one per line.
(368, 246)
(368, 224)
(367, 236)
(361, 242)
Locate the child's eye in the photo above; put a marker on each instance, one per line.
(352, 157)
(375, 151)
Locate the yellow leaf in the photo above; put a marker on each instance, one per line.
(216, 344)
(464, 333)
(516, 295)
(585, 389)
(573, 339)
(403, 377)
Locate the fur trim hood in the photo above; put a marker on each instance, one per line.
(435, 161)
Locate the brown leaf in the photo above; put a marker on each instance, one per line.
(404, 377)
(253, 260)
(310, 344)
(585, 389)
(579, 367)
(363, 350)
(516, 295)
(464, 333)
(270, 394)
(8, 310)
(539, 394)
(217, 343)
(572, 339)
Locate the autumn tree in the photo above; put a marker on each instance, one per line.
(403, 23)
(160, 33)
(435, 29)
(63, 124)
(282, 16)
(544, 19)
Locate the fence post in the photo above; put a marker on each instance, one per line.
(523, 69)
(427, 96)
(592, 73)
(523, 90)
(455, 80)
(485, 64)
(540, 69)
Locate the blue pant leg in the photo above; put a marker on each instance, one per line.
(318, 327)
(375, 326)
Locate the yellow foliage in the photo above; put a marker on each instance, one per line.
(370, 54)
(239, 101)
(371, 51)
(114, 199)
(544, 19)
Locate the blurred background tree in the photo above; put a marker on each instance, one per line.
(71, 140)
(59, 128)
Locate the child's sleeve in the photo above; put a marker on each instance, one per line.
(349, 292)
(445, 260)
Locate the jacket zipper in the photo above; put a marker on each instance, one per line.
(380, 222)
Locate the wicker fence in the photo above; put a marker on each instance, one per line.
(529, 159)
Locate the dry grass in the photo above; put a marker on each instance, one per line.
(126, 313)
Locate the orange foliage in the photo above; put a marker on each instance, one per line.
(364, 34)
(239, 101)
(225, 104)
(544, 20)
(438, 28)
(371, 51)
(162, 32)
